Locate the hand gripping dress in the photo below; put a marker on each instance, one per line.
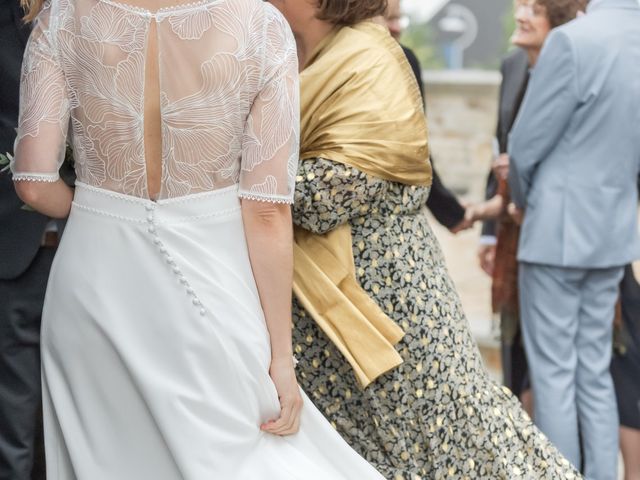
(155, 350)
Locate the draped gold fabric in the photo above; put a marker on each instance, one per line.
(324, 281)
(360, 106)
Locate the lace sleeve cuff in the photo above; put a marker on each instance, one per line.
(36, 177)
(271, 198)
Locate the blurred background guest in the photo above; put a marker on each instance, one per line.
(625, 369)
(577, 134)
(534, 20)
(386, 351)
(26, 253)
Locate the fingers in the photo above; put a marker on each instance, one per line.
(282, 423)
(487, 267)
(283, 426)
(500, 166)
(486, 257)
(516, 214)
(503, 172)
(289, 421)
(293, 424)
(502, 160)
(464, 224)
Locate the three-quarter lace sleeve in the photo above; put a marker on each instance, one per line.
(44, 109)
(271, 138)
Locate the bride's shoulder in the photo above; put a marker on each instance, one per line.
(265, 20)
(262, 9)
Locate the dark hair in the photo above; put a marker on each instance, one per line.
(560, 12)
(349, 12)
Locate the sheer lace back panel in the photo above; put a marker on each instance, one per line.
(228, 106)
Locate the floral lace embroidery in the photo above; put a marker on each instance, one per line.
(191, 24)
(229, 96)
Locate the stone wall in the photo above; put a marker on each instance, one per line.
(462, 113)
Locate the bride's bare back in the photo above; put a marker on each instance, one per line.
(164, 99)
(152, 113)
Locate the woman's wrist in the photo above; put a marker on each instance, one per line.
(282, 346)
(283, 359)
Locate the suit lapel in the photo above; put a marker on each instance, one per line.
(515, 84)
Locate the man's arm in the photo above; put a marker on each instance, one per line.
(551, 98)
(444, 205)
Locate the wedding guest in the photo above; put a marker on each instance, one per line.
(574, 160)
(442, 203)
(384, 347)
(534, 20)
(166, 331)
(26, 253)
(625, 369)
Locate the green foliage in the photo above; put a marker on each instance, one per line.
(419, 38)
(509, 26)
(4, 161)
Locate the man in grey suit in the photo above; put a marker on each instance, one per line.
(575, 158)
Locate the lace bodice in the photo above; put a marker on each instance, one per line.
(228, 88)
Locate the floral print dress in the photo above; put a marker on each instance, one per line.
(438, 415)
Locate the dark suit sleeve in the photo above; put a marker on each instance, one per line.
(21, 230)
(443, 204)
(415, 67)
(13, 38)
(489, 227)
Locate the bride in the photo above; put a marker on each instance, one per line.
(166, 338)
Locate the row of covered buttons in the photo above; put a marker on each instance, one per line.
(152, 229)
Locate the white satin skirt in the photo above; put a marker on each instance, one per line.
(155, 351)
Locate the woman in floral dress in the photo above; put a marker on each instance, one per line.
(437, 414)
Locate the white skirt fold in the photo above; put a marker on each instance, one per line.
(156, 354)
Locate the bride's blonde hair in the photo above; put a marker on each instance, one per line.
(31, 8)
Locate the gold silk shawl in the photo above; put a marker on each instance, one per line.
(361, 107)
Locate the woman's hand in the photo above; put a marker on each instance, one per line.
(487, 210)
(283, 375)
(516, 214)
(501, 166)
(487, 258)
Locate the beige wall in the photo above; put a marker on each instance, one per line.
(462, 112)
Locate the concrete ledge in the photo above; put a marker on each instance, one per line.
(489, 78)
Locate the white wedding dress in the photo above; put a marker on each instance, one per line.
(155, 351)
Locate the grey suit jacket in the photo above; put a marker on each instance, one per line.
(575, 146)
